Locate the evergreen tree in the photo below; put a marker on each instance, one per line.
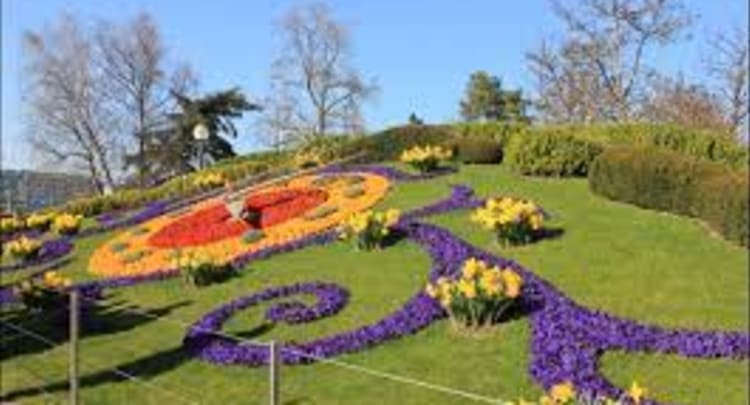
(173, 149)
(485, 100)
(415, 120)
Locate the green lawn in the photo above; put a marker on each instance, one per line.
(641, 264)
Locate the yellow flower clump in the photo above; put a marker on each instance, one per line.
(368, 228)
(23, 247)
(11, 224)
(39, 219)
(503, 211)
(54, 280)
(308, 158)
(208, 180)
(478, 281)
(66, 223)
(425, 153)
(360, 221)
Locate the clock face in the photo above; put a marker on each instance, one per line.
(223, 229)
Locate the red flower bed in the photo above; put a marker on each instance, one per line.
(215, 223)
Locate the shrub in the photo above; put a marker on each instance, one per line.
(477, 150)
(549, 153)
(692, 142)
(498, 131)
(658, 179)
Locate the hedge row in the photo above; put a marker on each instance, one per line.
(551, 150)
(180, 186)
(551, 153)
(655, 178)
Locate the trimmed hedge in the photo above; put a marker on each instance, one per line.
(500, 132)
(551, 153)
(655, 178)
(696, 143)
(477, 150)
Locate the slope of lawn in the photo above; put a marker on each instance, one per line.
(645, 265)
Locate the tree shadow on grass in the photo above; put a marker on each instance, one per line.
(13, 277)
(256, 331)
(144, 368)
(52, 328)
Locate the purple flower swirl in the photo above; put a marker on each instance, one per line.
(203, 341)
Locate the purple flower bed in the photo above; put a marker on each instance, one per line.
(51, 251)
(462, 197)
(388, 172)
(202, 341)
(109, 218)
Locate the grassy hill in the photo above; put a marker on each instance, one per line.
(653, 267)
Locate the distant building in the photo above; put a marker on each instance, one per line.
(24, 190)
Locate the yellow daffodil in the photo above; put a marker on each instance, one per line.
(66, 223)
(432, 291)
(513, 283)
(392, 216)
(491, 283)
(24, 247)
(467, 288)
(636, 392)
(471, 268)
(562, 392)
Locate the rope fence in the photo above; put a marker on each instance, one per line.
(273, 368)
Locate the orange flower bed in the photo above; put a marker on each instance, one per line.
(303, 206)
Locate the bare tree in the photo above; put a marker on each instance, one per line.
(597, 72)
(689, 105)
(727, 63)
(316, 91)
(133, 58)
(70, 120)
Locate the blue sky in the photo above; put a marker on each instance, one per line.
(420, 51)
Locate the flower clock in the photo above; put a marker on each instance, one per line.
(270, 216)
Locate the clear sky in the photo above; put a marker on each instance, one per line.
(420, 51)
